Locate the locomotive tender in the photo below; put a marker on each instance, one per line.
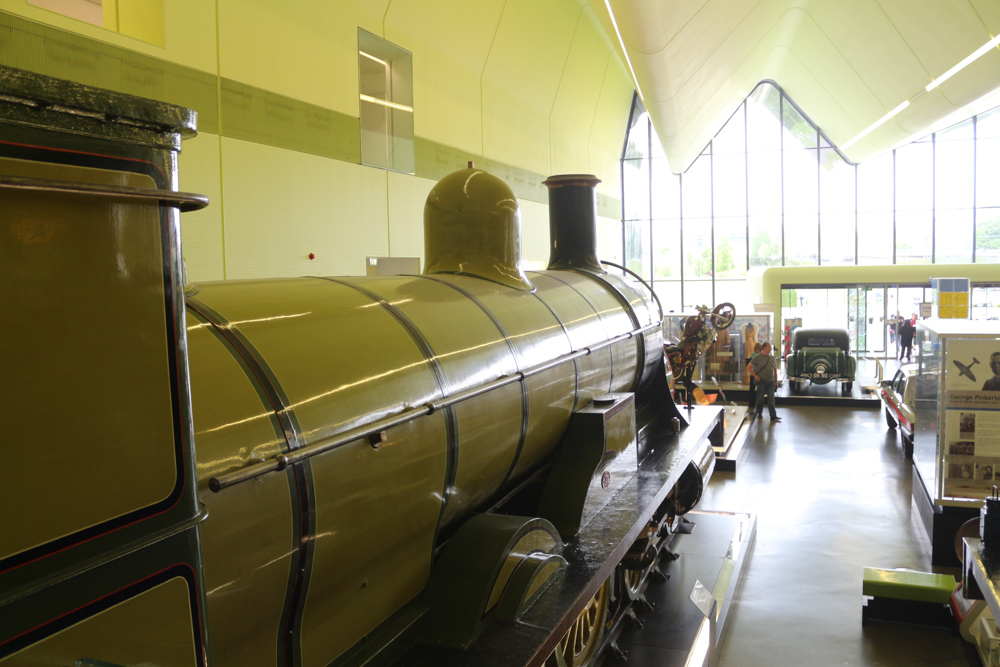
(311, 471)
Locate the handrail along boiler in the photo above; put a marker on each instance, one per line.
(378, 461)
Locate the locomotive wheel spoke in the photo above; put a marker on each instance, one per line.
(578, 647)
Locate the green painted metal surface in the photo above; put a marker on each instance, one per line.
(472, 226)
(476, 571)
(597, 435)
(908, 585)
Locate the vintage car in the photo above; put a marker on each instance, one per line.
(820, 356)
(897, 396)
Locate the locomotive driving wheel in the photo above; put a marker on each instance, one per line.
(579, 645)
(632, 580)
(723, 316)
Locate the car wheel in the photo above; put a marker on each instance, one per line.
(845, 388)
(889, 419)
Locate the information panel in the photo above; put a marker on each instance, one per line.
(971, 428)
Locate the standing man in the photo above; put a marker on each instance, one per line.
(906, 332)
(764, 370)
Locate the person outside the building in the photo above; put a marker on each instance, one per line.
(764, 370)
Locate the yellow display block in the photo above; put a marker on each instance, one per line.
(944, 298)
(945, 311)
(908, 585)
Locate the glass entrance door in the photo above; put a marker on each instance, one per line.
(874, 323)
(857, 307)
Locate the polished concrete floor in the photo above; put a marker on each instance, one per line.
(831, 491)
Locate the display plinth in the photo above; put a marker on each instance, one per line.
(737, 428)
(711, 562)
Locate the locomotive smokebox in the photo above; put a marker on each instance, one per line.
(573, 222)
(472, 226)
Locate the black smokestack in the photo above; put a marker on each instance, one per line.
(573, 222)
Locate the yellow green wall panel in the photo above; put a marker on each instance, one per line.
(44, 49)
(435, 161)
(189, 38)
(522, 89)
(142, 19)
(576, 99)
(406, 197)
(450, 46)
(534, 234)
(605, 141)
(520, 80)
(199, 168)
(305, 50)
(281, 205)
(264, 117)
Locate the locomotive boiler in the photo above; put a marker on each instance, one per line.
(311, 471)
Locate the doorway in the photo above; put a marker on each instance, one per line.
(868, 313)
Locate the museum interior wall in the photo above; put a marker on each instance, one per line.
(524, 89)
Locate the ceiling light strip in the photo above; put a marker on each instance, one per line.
(386, 103)
(876, 124)
(371, 57)
(978, 53)
(607, 3)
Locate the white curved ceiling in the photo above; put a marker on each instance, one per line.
(846, 63)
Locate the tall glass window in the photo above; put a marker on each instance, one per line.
(771, 190)
(837, 208)
(385, 90)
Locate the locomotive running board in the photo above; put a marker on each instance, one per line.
(591, 556)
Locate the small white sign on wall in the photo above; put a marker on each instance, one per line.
(392, 266)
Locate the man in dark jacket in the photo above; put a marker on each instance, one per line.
(763, 368)
(906, 332)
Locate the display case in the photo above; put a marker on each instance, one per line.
(957, 431)
(726, 359)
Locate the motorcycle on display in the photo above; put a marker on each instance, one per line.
(697, 335)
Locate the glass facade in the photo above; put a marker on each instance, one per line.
(771, 190)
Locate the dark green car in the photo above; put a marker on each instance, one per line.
(820, 356)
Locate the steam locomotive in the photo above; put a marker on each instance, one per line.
(312, 471)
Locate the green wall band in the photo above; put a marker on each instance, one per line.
(248, 113)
